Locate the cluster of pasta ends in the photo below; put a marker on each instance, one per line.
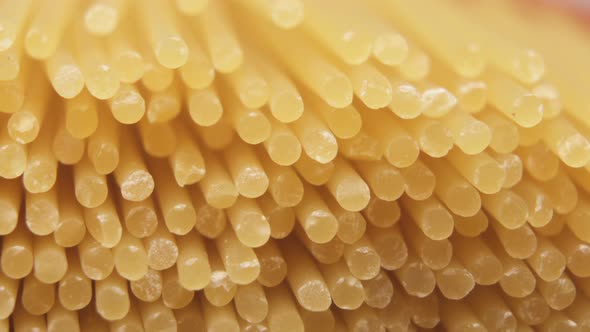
(293, 165)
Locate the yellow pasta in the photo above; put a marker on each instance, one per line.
(37, 297)
(251, 303)
(455, 281)
(382, 214)
(90, 187)
(156, 77)
(390, 246)
(505, 134)
(14, 23)
(96, 261)
(158, 138)
(378, 291)
(131, 321)
(519, 243)
(482, 171)
(42, 212)
(347, 187)
(397, 314)
(250, 224)
(364, 146)
(431, 217)
(59, 318)
(326, 253)
(574, 250)
(492, 309)
(540, 162)
(314, 172)
(64, 72)
(140, 217)
(273, 267)
(436, 254)
(512, 165)
(103, 223)
(24, 321)
(470, 135)
(219, 135)
(156, 316)
(10, 202)
(539, 205)
(17, 254)
(24, 125)
(420, 181)
(101, 78)
(558, 321)
(217, 185)
(162, 34)
(457, 194)
(513, 100)
(50, 260)
(123, 51)
(285, 101)
(220, 290)
(46, 28)
(415, 277)
(130, 257)
(10, 61)
(547, 261)
(161, 247)
(517, 280)
(67, 149)
(560, 293)
(204, 106)
(316, 139)
(220, 38)
(174, 295)
(405, 100)
(163, 106)
(102, 17)
(384, 179)
(285, 187)
(14, 153)
(188, 317)
(248, 175)
(434, 138)
(471, 226)
(104, 145)
(240, 261)
(471, 93)
(485, 267)
(149, 287)
(457, 316)
(416, 65)
(198, 71)
(305, 280)
(192, 257)
(251, 125)
(111, 297)
(132, 176)
(10, 288)
(435, 101)
(211, 221)
(90, 320)
(294, 165)
(175, 202)
(362, 259)
(13, 92)
(315, 218)
(347, 39)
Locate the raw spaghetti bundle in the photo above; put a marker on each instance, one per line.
(293, 165)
